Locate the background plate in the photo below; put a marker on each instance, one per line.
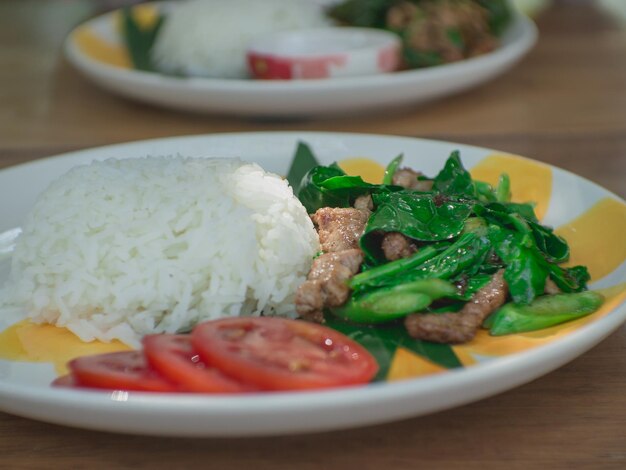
(102, 64)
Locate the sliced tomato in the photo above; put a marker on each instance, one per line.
(126, 370)
(281, 354)
(174, 357)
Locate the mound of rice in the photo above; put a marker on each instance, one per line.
(122, 248)
(209, 37)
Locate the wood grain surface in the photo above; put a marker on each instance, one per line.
(565, 104)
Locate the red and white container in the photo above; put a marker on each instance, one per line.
(323, 53)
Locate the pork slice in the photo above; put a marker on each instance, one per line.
(407, 178)
(461, 326)
(396, 246)
(340, 228)
(364, 203)
(326, 283)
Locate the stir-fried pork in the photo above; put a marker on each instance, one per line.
(407, 178)
(396, 246)
(364, 203)
(340, 228)
(460, 327)
(326, 283)
(427, 27)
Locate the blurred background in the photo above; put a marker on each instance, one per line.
(562, 103)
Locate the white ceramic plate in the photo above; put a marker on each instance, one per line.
(25, 389)
(287, 98)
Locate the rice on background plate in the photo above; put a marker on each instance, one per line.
(208, 38)
(122, 248)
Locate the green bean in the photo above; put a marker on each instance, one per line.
(393, 268)
(543, 312)
(388, 304)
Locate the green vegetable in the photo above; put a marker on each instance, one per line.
(454, 179)
(503, 190)
(139, 41)
(484, 192)
(467, 254)
(376, 276)
(329, 186)
(553, 246)
(364, 13)
(499, 13)
(419, 59)
(383, 305)
(526, 270)
(302, 162)
(465, 230)
(472, 285)
(572, 279)
(543, 312)
(391, 169)
(421, 216)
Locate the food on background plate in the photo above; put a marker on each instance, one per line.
(118, 249)
(433, 32)
(209, 38)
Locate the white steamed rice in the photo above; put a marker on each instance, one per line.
(122, 248)
(209, 37)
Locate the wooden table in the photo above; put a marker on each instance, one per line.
(565, 104)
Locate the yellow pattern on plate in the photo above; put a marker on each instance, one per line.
(495, 346)
(407, 365)
(144, 15)
(530, 181)
(100, 50)
(369, 170)
(597, 238)
(97, 48)
(31, 342)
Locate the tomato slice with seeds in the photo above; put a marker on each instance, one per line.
(281, 354)
(174, 358)
(126, 370)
